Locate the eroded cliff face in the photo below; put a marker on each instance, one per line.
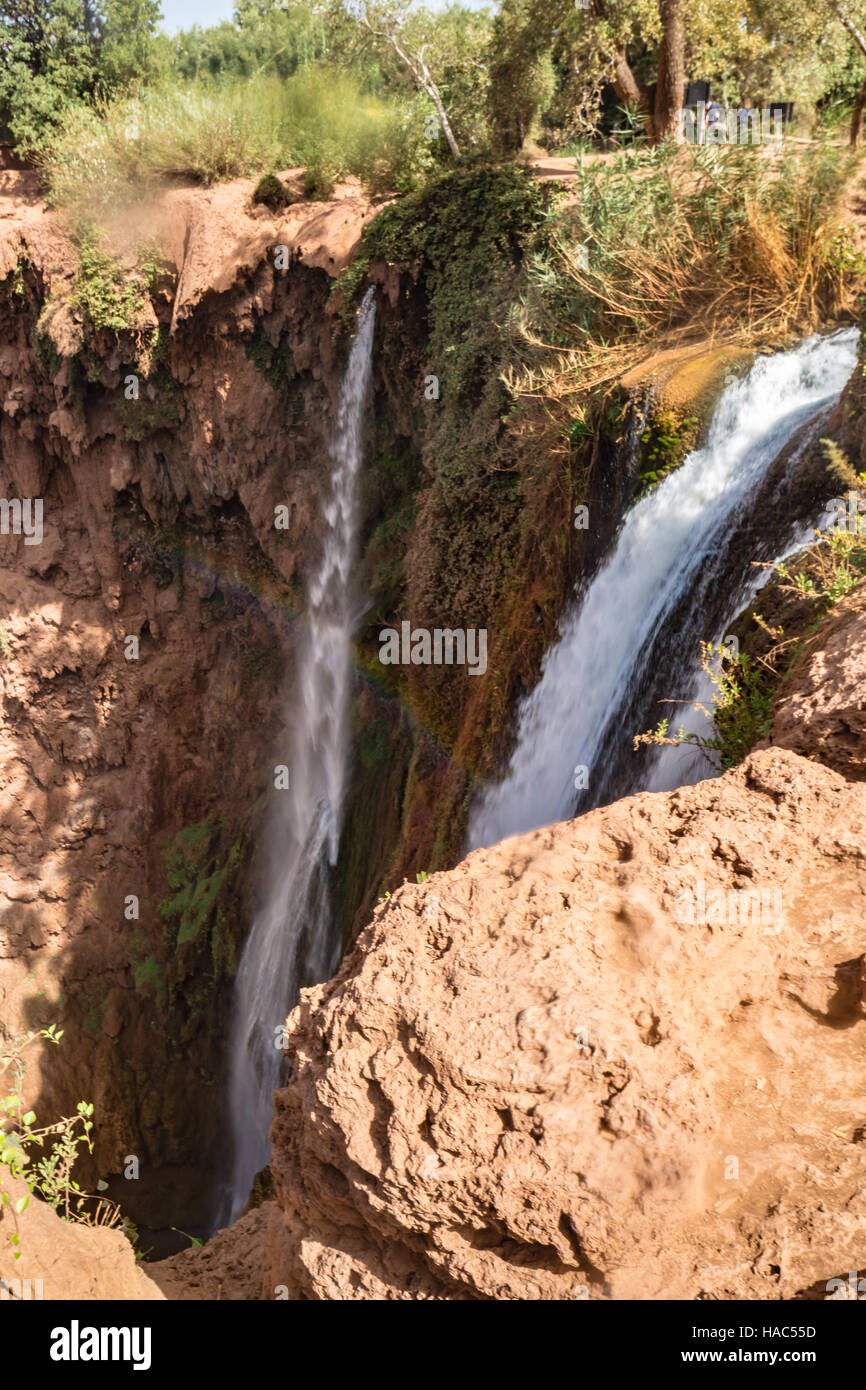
(135, 785)
(620, 1057)
(141, 772)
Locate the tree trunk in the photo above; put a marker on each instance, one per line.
(860, 40)
(421, 76)
(672, 70)
(857, 117)
(625, 84)
(630, 91)
(433, 93)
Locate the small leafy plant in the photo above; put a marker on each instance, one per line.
(741, 714)
(49, 1174)
(745, 686)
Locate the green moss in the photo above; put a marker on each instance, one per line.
(46, 354)
(16, 286)
(273, 362)
(386, 555)
(106, 296)
(463, 242)
(142, 418)
(373, 742)
(150, 978)
(193, 910)
(667, 440)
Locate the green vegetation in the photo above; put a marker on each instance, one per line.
(667, 440)
(203, 132)
(197, 881)
(102, 293)
(742, 708)
(271, 191)
(464, 239)
(195, 912)
(45, 1167)
(649, 246)
(747, 682)
(57, 53)
(159, 408)
(200, 916)
(150, 978)
(387, 90)
(273, 362)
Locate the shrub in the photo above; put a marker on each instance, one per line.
(746, 247)
(271, 191)
(50, 1174)
(207, 132)
(105, 295)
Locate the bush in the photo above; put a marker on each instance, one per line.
(208, 132)
(105, 295)
(749, 248)
(45, 1168)
(271, 191)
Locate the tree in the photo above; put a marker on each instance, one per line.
(268, 38)
(521, 73)
(671, 69)
(47, 58)
(389, 22)
(860, 99)
(126, 54)
(53, 52)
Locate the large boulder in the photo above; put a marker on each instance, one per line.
(620, 1057)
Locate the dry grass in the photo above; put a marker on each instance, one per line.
(655, 252)
(127, 149)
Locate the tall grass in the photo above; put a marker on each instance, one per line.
(206, 133)
(674, 243)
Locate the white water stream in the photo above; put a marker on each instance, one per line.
(293, 939)
(591, 674)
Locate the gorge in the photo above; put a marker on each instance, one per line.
(508, 1074)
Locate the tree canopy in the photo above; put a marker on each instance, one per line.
(496, 79)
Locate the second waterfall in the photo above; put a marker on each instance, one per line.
(293, 939)
(666, 578)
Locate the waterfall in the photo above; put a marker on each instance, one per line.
(292, 940)
(637, 625)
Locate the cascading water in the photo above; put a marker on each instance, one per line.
(292, 940)
(639, 621)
